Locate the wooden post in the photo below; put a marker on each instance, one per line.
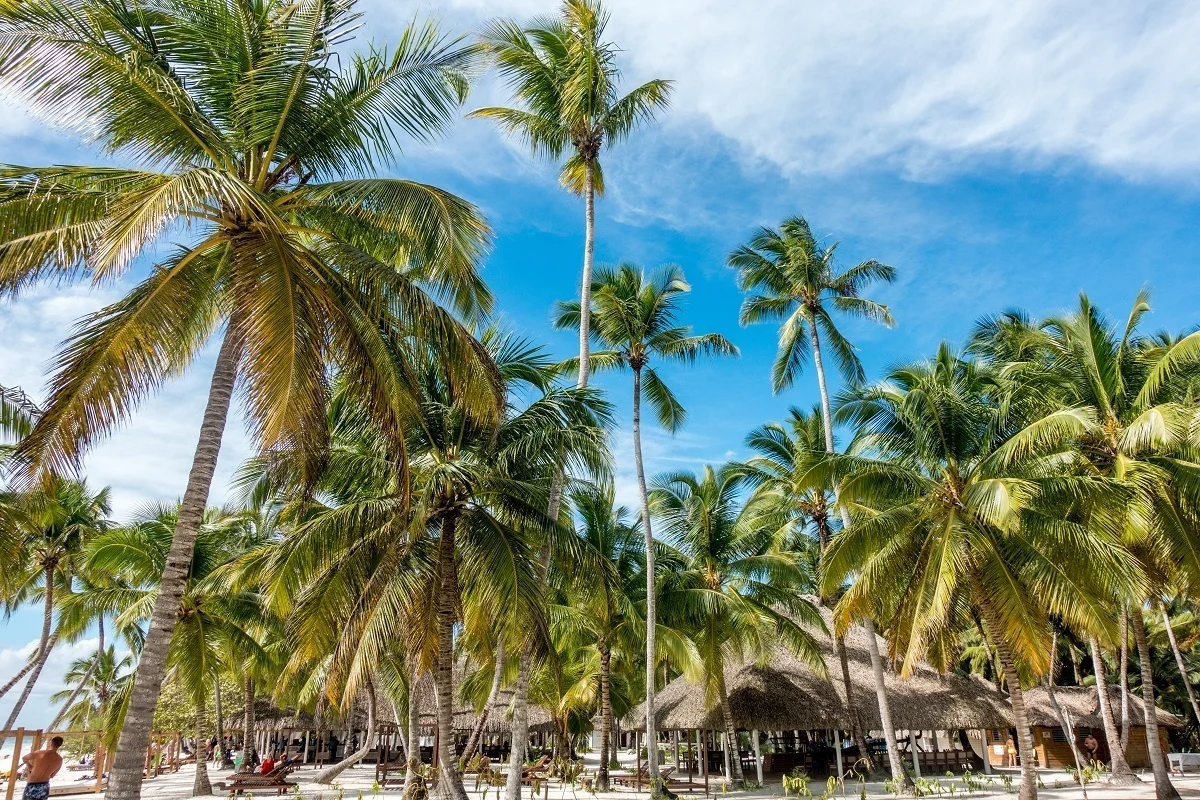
(912, 744)
(837, 746)
(757, 756)
(304, 760)
(98, 767)
(16, 762)
(638, 772)
(987, 756)
(725, 750)
(689, 761)
(704, 741)
(675, 746)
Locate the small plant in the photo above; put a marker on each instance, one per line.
(796, 783)
(1008, 783)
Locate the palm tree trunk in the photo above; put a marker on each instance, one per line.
(1124, 680)
(738, 780)
(1121, 773)
(856, 727)
(881, 698)
(43, 648)
(43, 642)
(1163, 788)
(449, 783)
(606, 717)
(651, 606)
(327, 775)
(493, 696)
(413, 751)
(126, 780)
(585, 290)
(219, 717)
(201, 785)
(1063, 719)
(1016, 695)
(1183, 673)
(248, 728)
(79, 687)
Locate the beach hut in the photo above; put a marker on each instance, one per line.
(797, 718)
(1081, 703)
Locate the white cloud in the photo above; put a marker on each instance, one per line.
(825, 87)
(38, 710)
(148, 458)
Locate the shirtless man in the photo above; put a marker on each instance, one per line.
(42, 766)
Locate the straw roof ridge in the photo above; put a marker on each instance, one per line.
(1083, 704)
(787, 694)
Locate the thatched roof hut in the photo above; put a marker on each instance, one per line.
(1083, 704)
(786, 694)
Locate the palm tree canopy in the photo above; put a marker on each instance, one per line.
(734, 585)
(253, 133)
(634, 316)
(945, 518)
(566, 83)
(794, 278)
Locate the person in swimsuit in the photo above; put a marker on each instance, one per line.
(42, 765)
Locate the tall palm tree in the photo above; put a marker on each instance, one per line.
(401, 554)
(215, 623)
(949, 518)
(600, 607)
(1120, 407)
(786, 498)
(566, 87)
(795, 279)
(57, 520)
(732, 583)
(633, 316)
(241, 121)
(95, 682)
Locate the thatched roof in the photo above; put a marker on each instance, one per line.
(787, 694)
(1083, 704)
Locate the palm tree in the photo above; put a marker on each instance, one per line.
(950, 518)
(241, 121)
(566, 86)
(731, 582)
(1119, 408)
(95, 682)
(454, 532)
(599, 608)
(57, 520)
(633, 315)
(215, 623)
(787, 499)
(795, 279)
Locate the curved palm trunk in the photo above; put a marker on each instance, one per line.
(43, 654)
(1124, 680)
(449, 783)
(327, 775)
(1121, 773)
(856, 727)
(493, 696)
(126, 776)
(606, 717)
(1183, 673)
(1016, 695)
(44, 643)
(520, 720)
(585, 291)
(881, 698)
(1063, 718)
(651, 605)
(735, 761)
(1163, 788)
(79, 687)
(248, 728)
(413, 749)
(201, 784)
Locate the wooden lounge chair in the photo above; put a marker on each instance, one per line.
(536, 772)
(276, 779)
(641, 777)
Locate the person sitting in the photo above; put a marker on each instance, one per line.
(268, 765)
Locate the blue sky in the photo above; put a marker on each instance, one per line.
(1002, 154)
